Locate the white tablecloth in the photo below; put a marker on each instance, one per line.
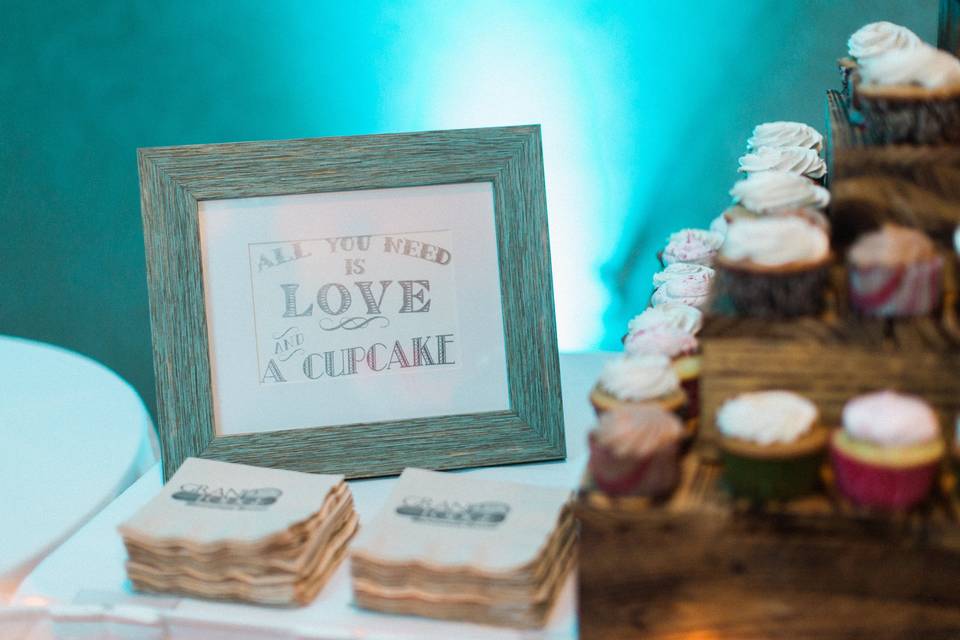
(74, 435)
(81, 589)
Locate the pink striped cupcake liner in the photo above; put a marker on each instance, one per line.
(905, 290)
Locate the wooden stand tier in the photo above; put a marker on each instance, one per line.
(702, 565)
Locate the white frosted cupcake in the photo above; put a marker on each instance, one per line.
(772, 445)
(877, 38)
(773, 266)
(872, 40)
(798, 160)
(696, 246)
(785, 134)
(910, 96)
(628, 380)
(775, 192)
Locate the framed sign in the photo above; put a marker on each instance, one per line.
(353, 305)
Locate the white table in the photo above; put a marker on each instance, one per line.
(74, 436)
(81, 589)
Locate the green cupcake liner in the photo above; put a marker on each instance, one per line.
(772, 478)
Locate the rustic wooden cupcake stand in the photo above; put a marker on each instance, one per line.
(702, 565)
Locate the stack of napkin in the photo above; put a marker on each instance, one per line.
(222, 530)
(461, 548)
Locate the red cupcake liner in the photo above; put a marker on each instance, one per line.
(907, 290)
(692, 388)
(654, 475)
(879, 487)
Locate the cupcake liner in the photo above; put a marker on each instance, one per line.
(771, 478)
(691, 387)
(654, 475)
(897, 119)
(772, 294)
(881, 487)
(897, 291)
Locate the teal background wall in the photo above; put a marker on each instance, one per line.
(645, 108)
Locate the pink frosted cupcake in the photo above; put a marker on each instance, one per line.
(684, 353)
(888, 453)
(895, 271)
(674, 315)
(634, 451)
(696, 246)
(686, 285)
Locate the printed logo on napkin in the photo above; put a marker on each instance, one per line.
(354, 306)
(201, 495)
(497, 526)
(229, 502)
(452, 513)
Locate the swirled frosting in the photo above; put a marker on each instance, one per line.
(767, 417)
(890, 419)
(785, 134)
(891, 245)
(697, 246)
(773, 191)
(639, 378)
(799, 160)
(670, 314)
(681, 270)
(923, 66)
(719, 225)
(877, 38)
(689, 290)
(668, 341)
(637, 431)
(775, 241)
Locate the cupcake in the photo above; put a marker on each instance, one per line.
(773, 267)
(771, 444)
(671, 314)
(910, 96)
(797, 160)
(813, 216)
(630, 381)
(774, 192)
(888, 453)
(679, 270)
(691, 289)
(895, 271)
(872, 40)
(635, 451)
(684, 353)
(697, 246)
(785, 134)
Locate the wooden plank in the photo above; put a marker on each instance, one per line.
(717, 568)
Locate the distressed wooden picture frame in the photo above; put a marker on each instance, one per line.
(175, 179)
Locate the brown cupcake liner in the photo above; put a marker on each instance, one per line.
(745, 292)
(909, 119)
